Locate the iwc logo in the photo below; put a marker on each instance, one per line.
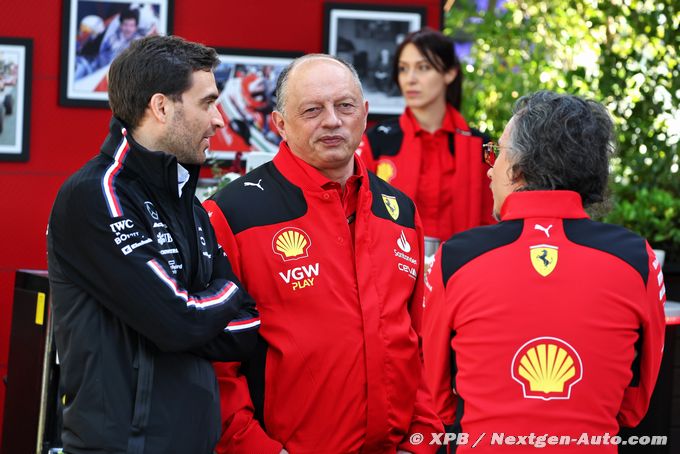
(291, 243)
(547, 368)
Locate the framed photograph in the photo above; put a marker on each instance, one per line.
(15, 97)
(367, 36)
(246, 80)
(94, 33)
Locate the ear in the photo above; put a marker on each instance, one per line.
(280, 124)
(161, 107)
(450, 75)
(516, 178)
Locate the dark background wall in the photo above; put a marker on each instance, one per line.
(64, 138)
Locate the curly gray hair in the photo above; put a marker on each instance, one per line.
(561, 141)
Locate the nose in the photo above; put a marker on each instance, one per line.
(489, 173)
(217, 120)
(331, 119)
(411, 75)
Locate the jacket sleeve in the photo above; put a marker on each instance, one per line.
(637, 395)
(424, 420)
(118, 261)
(241, 432)
(366, 154)
(239, 338)
(437, 333)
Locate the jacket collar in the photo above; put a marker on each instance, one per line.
(532, 204)
(304, 175)
(453, 122)
(157, 168)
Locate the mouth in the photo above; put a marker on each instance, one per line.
(208, 136)
(205, 143)
(412, 93)
(332, 141)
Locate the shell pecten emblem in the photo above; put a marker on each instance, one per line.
(386, 170)
(291, 243)
(547, 368)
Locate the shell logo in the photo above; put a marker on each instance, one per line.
(291, 243)
(386, 170)
(547, 368)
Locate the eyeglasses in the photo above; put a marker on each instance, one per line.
(491, 152)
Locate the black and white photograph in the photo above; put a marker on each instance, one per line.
(246, 80)
(15, 97)
(367, 37)
(94, 33)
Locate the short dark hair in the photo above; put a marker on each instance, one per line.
(155, 64)
(439, 51)
(129, 14)
(561, 141)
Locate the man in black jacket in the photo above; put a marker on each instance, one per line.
(143, 296)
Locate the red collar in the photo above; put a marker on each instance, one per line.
(532, 204)
(304, 175)
(453, 122)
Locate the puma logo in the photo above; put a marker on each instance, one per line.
(248, 183)
(543, 229)
(384, 129)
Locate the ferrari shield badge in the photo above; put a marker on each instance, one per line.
(543, 258)
(391, 205)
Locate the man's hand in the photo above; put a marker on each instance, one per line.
(283, 451)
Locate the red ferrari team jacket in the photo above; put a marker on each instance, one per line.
(339, 368)
(443, 172)
(547, 323)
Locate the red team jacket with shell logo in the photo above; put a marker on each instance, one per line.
(547, 323)
(397, 149)
(340, 368)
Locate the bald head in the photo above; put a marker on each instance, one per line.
(321, 114)
(288, 72)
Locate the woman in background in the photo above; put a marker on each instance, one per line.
(430, 152)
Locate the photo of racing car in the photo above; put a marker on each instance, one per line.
(247, 82)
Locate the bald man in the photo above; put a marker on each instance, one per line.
(333, 256)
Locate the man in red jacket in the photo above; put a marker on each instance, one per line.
(333, 256)
(547, 324)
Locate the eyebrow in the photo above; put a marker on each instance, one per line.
(421, 60)
(343, 98)
(211, 97)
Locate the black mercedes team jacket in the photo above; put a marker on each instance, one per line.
(143, 299)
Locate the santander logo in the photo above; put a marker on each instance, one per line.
(403, 244)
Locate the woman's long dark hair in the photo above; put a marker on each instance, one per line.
(440, 53)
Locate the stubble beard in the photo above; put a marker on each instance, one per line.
(179, 142)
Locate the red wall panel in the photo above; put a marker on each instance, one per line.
(63, 138)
